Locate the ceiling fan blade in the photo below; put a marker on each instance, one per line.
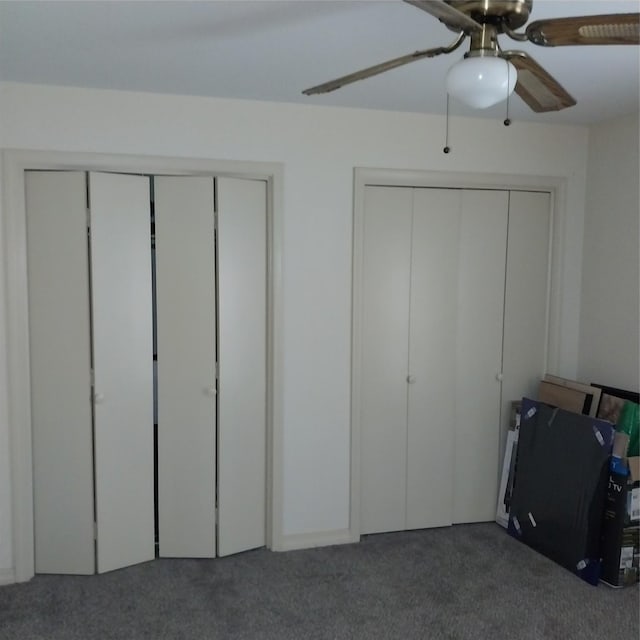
(447, 14)
(539, 89)
(332, 85)
(620, 28)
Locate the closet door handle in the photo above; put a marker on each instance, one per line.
(411, 379)
(98, 398)
(210, 391)
(499, 376)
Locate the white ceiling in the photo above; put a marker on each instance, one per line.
(272, 50)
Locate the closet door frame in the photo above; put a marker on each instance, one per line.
(14, 165)
(364, 177)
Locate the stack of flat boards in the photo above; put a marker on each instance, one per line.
(560, 486)
(569, 394)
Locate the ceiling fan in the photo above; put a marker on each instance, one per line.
(488, 74)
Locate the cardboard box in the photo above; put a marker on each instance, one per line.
(621, 528)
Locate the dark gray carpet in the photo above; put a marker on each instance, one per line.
(459, 583)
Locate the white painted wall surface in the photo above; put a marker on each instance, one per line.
(610, 305)
(319, 147)
(6, 560)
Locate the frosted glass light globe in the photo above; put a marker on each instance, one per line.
(481, 81)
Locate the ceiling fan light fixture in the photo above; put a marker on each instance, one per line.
(481, 81)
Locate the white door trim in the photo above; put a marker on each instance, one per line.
(14, 164)
(364, 177)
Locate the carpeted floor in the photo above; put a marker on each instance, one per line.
(460, 583)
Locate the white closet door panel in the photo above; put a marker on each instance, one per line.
(483, 240)
(526, 298)
(123, 364)
(242, 316)
(431, 394)
(186, 337)
(385, 339)
(60, 371)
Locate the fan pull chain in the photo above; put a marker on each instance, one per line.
(447, 148)
(507, 120)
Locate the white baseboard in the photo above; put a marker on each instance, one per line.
(7, 576)
(316, 539)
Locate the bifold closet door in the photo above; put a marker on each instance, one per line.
(478, 353)
(123, 368)
(242, 358)
(454, 283)
(431, 392)
(526, 298)
(386, 277)
(60, 351)
(186, 339)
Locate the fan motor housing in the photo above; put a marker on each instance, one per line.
(512, 13)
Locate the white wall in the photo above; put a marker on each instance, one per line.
(319, 148)
(6, 561)
(610, 304)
